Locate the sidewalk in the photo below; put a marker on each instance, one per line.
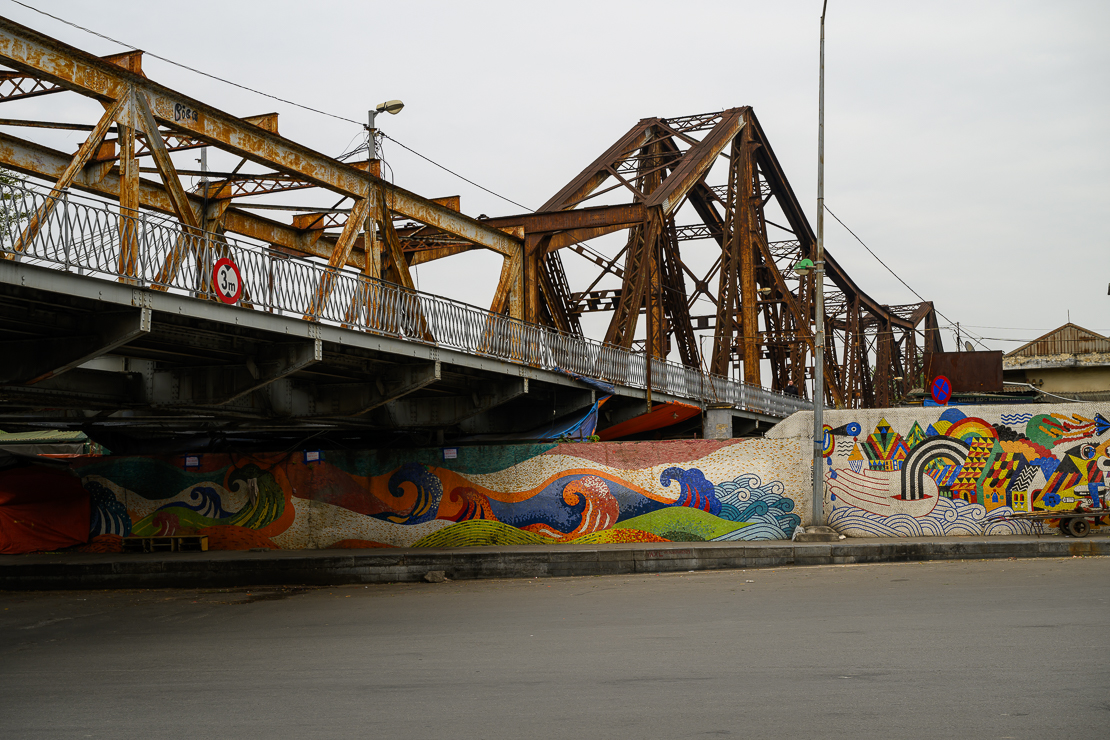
(333, 567)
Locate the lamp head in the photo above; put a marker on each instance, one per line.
(390, 106)
(804, 266)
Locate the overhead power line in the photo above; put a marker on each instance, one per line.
(266, 95)
(897, 276)
(184, 66)
(456, 174)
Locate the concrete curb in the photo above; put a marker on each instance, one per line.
(335, 567)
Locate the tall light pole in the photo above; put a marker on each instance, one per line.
(390, 106)
(393, 107)
(819, 290)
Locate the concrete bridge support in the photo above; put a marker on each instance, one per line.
(729, 422)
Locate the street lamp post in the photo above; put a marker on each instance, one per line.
(803, 268)
(819, 291)
(392, 107)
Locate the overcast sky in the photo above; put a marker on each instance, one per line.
(966, 142)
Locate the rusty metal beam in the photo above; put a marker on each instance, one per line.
(729, 265)
(745, 238)
(696, 162)
(430, 255)
(579, 218)
(247, 185)
(16, 86)
(181, 206)
(34, 159)
(173, 142)
(338, 259)
(28, 51)
(591, 178)
(67, 175)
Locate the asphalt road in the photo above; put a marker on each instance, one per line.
(976, 649)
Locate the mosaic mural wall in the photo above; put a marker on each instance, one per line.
(955, 470)
(505, 495)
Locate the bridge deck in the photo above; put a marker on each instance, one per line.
(136, 337)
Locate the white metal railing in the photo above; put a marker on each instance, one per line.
(93, 238)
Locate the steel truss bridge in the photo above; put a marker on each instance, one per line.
(111, 319)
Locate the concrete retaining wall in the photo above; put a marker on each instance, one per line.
(583, 493)
(890, 473)
(944, 471)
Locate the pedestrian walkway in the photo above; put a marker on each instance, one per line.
(333, 567)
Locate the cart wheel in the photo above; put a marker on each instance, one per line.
(1079, 527)
(1064, 528)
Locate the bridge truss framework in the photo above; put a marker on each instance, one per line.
(762, 311)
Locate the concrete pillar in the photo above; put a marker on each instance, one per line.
(717, 423)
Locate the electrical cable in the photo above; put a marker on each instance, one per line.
(352, 152)
(1007, 328)
(962, 328)
(185, 66)
(899, 279)
(272, 97)
(1044, 393)
(456, 174)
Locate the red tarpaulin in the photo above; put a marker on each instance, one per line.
(41, 509)
(661, 415)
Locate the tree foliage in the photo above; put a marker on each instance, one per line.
(11, 201)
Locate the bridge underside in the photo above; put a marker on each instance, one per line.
(143, 370)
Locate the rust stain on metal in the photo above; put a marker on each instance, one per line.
(969, 372)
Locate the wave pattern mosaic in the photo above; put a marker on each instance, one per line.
(522, 494)
(955, 471)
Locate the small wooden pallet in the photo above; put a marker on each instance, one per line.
(168, 543)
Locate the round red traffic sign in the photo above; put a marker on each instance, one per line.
(941, 390)
(227, 281)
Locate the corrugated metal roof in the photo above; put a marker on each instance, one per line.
(47, 435)
(51, 442)
(1069, 339)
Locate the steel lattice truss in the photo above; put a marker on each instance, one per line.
(719, 167)
(761, 309)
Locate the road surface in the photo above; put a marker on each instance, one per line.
(963, 649)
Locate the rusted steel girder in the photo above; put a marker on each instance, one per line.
(102, 178)
(584, 218)
(764, 311)
(16, 86)
(51, 60)
(34, 159)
